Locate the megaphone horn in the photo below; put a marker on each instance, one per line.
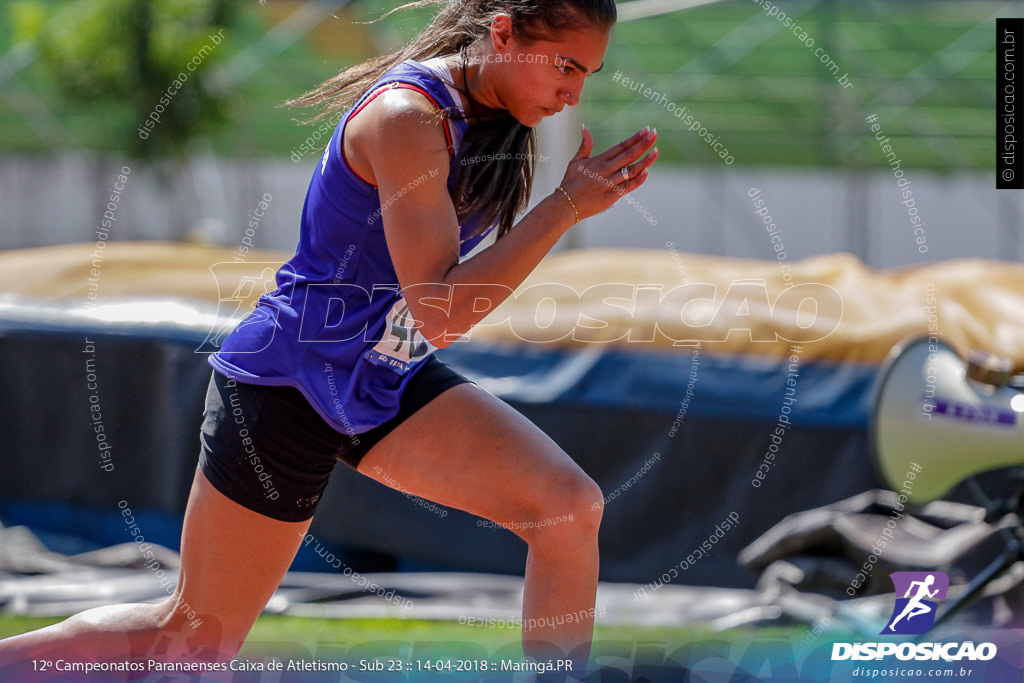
(937, 419)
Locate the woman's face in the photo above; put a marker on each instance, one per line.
(533, 80)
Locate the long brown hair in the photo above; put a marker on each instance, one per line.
(496, 185)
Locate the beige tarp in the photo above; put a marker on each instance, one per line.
(833, 305)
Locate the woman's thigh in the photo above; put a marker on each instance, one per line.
(232, 560)
(469, 450)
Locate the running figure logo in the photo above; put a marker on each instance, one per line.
(914, 613)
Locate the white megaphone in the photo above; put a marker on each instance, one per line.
(951, 418)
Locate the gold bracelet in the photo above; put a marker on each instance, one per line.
(571, 203)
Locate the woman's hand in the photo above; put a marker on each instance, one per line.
(595, 183)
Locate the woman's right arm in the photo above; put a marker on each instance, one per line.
(402, 148)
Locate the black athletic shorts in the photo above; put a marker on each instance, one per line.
(267, 449)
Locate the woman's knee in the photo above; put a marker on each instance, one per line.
(111, 631)
(585, 499)
(569, 508)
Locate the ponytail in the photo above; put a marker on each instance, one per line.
(496, 186)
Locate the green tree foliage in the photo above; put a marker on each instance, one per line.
(153, 55)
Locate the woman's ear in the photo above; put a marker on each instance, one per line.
(501, 32)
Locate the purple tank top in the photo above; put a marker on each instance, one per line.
(337, 327)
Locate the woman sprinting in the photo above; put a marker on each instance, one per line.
(434, 150)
